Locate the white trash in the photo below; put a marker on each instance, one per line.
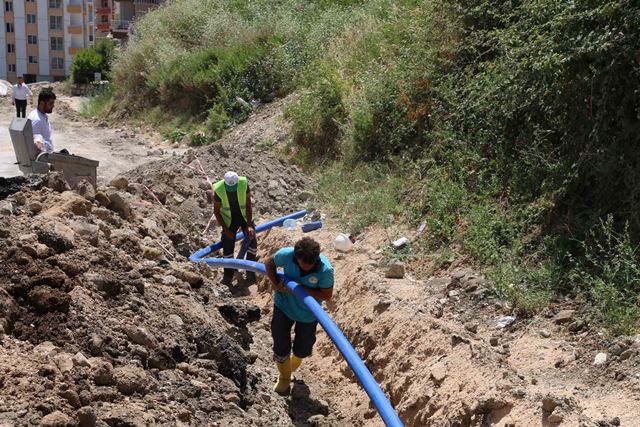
(505, 321)
(289, 224)
(343, 243)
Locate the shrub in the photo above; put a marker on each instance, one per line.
(94, 59)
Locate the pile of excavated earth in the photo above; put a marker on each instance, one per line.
(105, 322)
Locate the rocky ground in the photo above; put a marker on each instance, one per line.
(104, 321)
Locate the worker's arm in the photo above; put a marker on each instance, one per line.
(217, 204)
(272, 274)
(251, 231)
(321, 294)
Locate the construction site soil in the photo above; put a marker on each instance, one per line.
(104, 321)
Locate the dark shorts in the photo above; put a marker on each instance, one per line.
(305, 335)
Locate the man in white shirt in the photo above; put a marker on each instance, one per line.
(40, 121)
(19, 96)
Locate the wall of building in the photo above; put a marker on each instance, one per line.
(37, 59)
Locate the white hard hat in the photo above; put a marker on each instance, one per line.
(231, 178)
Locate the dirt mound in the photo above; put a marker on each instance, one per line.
(435, 346)
(277, 188)
(103, 319)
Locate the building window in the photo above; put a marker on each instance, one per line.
(104, 19)
(105, 3)
(31, 39)
(91, 38)
(55, 4)
(57, 63)
(11, 68)
(57, 43)
(8, 6)
(10, 28)
(11, 48)
(33, 59)
(31, 19)
(55, 22)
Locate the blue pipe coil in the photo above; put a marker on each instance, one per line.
(195, 257)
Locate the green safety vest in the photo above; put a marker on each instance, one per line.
(219, 189)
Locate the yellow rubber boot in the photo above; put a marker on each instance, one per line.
(295, 362)
(284, 379)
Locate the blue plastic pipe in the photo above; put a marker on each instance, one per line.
(380, 401)
(197, 256)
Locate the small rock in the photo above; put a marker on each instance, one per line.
(549, 403)
(615, 349)
(142, 336)
(152, 253)
(131, 379)
(627, 354)
(564, 316)
(35, 207)
(453, 293)
(80, 360)
(120, 182)
(544, 333)
(438, 372)
(64, 362)
(102, 371)
(493, 341)
(555, 418)
(175, 319)
(316, 420)
(86, 417)
(57, 419)
(600, 359)
(72, 397)
(395, 270)
(103, 199)
(6, 208)
(577, 326)
(471, 327)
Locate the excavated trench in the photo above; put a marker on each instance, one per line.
(105, 322)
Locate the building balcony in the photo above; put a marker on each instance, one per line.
(120, 26)
(74, 29)
(104, 26)
(74, 50)
(103, 11)
(74, 8)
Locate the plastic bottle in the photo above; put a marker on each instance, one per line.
(289, 224)
(342, 243)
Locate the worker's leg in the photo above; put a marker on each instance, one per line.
(23, 108)
(228, 245)
(281, 333)
(305, 338)
(251, 256)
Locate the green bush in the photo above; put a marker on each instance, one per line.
(94, 59)
(318, 115)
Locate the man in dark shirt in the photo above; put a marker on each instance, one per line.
(233, 210)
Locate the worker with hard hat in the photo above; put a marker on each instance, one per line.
(233, 210)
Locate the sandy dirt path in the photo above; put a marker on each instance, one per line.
(118, 150)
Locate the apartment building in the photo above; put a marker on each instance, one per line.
(103, 18)
(126, 12)
(39, 38)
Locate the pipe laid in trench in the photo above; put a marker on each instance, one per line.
(377, 396)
